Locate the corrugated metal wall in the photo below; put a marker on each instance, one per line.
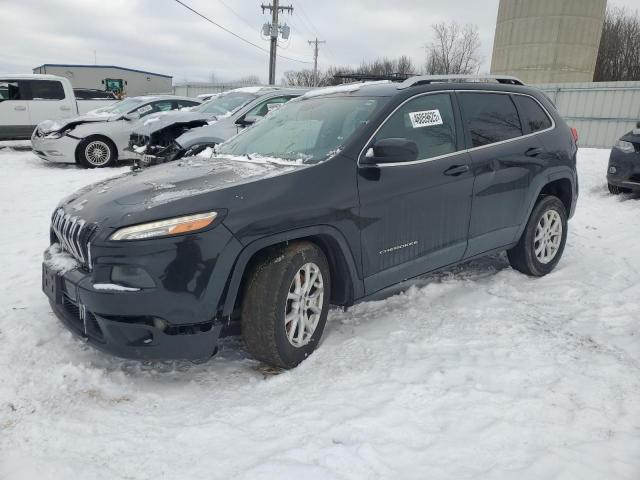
(602, 112)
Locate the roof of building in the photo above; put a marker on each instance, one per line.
(45, 65)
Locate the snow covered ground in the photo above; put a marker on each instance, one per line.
(478, 372)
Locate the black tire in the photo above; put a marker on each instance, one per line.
(523, 257)
(97, 144)
(265, 303)
(615, 190)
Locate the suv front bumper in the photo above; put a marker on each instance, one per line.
(73, 301)
(176, 315)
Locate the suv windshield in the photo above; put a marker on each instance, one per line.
(118, 108)
(306, 130)
(225, 104)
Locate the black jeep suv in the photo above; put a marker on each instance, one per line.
(338, 195)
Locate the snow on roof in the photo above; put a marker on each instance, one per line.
(345, 88)
(249, 89)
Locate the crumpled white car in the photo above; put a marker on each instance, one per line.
(98, 139)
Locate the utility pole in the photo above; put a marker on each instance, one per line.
(274, 29)
(315, 59)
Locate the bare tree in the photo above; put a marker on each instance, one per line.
(454, 49)
(402, 65)
(619, 52)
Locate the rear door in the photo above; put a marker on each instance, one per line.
(14, 111)
(503, 158)
(415, 215)
(47, 100)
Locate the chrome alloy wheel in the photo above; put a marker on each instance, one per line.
(304, 305)
(97, 153)
(548, 238)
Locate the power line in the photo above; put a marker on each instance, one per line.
(307, 22)
(237, 14)
(234, 34)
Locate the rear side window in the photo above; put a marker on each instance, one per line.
(490, 117)
(531, 113)
(9, 90)
(45, 90)
(427, 120)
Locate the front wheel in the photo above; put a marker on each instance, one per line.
(543, 240)
(96, 152)
(285, 304)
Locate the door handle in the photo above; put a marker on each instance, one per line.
(534, 152)
(20, 107)
(456, 170)
(65, 107)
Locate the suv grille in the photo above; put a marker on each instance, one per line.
(73, 235)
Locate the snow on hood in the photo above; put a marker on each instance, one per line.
(190, 177)
(346, 88)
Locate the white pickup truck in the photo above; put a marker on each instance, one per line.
(27, 100)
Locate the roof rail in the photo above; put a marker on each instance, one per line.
(428, 79)
(361, 77)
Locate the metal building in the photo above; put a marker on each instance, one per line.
(548, 41)
(129, 81)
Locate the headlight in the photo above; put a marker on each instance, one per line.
(163, 228)
(626, 147)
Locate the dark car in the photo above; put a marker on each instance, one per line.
(337, 196)
(623, 173)
(154, 139)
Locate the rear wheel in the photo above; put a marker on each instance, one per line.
(96, 152)
(543, 240)
(285, 306)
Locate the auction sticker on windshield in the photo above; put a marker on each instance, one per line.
(426, 118)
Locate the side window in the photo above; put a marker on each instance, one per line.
(427, 120)
(532, 115)
(162, 106)
(9, 90)
(265, 107)
(184, 104)
(490, 117)
(45, 90)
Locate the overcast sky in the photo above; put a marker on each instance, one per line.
(162, 36)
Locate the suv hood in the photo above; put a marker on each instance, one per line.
(158, 121)
(49, 126)
(194, 184)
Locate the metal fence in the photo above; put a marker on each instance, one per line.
(602, 112)
(195, 89)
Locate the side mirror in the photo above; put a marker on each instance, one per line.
(248, 120)
(132, 116)
(391, 150)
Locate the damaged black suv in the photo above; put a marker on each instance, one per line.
(337, 196)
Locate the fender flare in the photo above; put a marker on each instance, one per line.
(562, 173)
(247, 253)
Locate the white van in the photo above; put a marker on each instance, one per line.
(27, 100)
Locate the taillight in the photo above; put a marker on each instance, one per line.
(574, 134)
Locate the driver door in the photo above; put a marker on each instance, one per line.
(415, 214)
